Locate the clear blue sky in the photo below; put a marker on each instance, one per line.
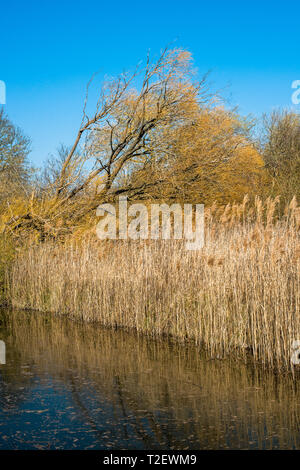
(49, 50)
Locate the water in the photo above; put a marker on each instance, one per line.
(72, 386)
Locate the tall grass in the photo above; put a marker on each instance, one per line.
(7, 253)
(238, 295)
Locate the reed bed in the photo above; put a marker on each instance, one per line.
(239, 295)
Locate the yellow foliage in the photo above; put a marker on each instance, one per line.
(243, 174)
(209, 159)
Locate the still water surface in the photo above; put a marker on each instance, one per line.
(73, 386)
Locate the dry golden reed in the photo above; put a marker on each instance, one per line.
(238, 295)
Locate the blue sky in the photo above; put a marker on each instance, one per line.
(49, 50)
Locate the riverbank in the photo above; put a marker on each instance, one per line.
(238, 295)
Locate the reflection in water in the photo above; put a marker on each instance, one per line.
(67, 386)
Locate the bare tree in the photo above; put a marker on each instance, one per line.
(120, 131)
(281, 152)
(127, 128)
(14, 168)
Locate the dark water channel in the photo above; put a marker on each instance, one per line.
(73, 386)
